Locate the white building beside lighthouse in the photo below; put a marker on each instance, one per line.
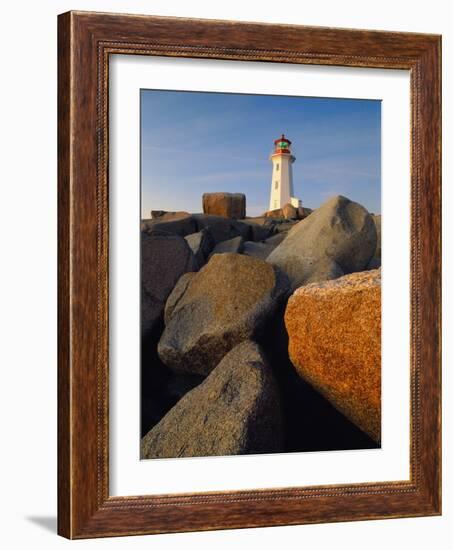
(282, 191)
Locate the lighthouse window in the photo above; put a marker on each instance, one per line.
(277, 167)
(276, 185)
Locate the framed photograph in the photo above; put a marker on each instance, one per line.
(249, 275)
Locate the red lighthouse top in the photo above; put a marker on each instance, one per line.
(282, 145)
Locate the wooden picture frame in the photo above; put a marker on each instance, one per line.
(85, 41)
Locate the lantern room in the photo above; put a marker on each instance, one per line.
(282, 145)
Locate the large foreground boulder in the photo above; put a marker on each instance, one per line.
(337, 238)
(176, 294)
(235, 411)
(227, 205)
(334, 330)
(228, 301)
(164, 258)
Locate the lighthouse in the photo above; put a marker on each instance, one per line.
(282, 191)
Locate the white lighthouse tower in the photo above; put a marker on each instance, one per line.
(282, 175)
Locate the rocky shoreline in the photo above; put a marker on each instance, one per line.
(245, 347)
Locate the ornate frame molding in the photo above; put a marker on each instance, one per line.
(86, 40)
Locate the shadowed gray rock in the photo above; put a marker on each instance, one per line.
(181, 226)
(258, 250)
(164, 258)
(337, 238)
(236, 410)
(222, 229)
(377, 222)
(275, 240)
(228, 301)
(259, 220)
(201, 244)
(375, 261)
(260, 231)
(283, 226)
(233, 246)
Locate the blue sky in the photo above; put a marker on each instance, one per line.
(197, 142)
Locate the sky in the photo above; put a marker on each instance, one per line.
(198, 142)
